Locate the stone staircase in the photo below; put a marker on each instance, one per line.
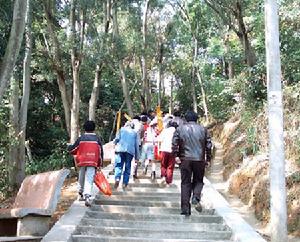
(145, 211)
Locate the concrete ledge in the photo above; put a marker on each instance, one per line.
(241, 230)
(63, 229)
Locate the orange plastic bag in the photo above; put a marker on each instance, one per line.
(157, 153)
(102, 183)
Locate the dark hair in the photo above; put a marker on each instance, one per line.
(144, 118)
(137, 117)
(191, 116)
(177, 113)
(89, 126)
(172, 123)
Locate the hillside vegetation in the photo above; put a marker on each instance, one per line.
(246, 165)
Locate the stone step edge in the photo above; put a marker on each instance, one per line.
(91, 221)
(91, 213)
(129, 239)
(241, 230)
(145, 232)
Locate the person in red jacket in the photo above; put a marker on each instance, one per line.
(88, 155)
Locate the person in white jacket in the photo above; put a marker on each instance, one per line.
(168, 158)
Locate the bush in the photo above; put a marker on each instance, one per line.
(58, 160)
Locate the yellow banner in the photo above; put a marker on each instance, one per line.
(118, 121)
(159, 119)
(127, 117)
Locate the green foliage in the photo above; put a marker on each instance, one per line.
(6, 14)
(248, 124)
(58, 159)
(220, 99)
(5, 190)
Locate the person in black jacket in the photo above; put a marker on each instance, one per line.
(191, 145)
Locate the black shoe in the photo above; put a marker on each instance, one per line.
(116, 184)
(135, 176)
(88, 201)
(145, 170)
(198, 207)
(153, 175)
(185, 213)
(195, 200)
(80, 197)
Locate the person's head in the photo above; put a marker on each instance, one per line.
(137, 117)
(89, 126)
(172, 123)
(144, 118)
(177, 113)
(191, 116)
(151, 114)
(129, 124)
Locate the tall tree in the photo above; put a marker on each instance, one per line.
(120, 61)
(55, 54)
(96, 85)
(14, 44)
(77, 43)
(19, 113)
(145, 80)
(275, 117)
(232, 14)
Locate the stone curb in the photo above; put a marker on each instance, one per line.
(241, 230)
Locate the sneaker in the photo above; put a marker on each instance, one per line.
(88, 201)
(116, 184)
(80, 197)
(195, 200)
(145, 170)
(185, 213)
(153, 175)
(198, 207)
(163, 182)
(124, 186)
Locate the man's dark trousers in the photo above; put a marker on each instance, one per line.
(192, 173)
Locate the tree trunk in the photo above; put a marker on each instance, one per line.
(160, 84)
(95, 91)
(75, 76)
(58, 65)
(278, 209)
(76, 59)
(193, 90)
(229, 67)
(204, 99)
(171, 105)
(121, 65)
(13, 46)
(14, 133)
(25, 97)
(145, 80)
(243, 35)
(94, 95)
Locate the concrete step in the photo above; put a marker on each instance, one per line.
(146, 197)
(147, 211)
(147, 190)
(147, 185)
(127, 193)
(89, 238)
(141, 203)
(150, 233)
(143, 209)
(199, 218)
(21, 239)
(154, 225)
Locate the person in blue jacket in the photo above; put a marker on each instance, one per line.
(127, 148)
